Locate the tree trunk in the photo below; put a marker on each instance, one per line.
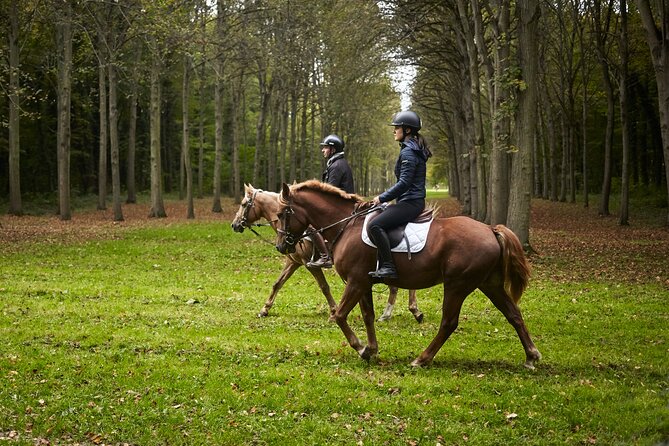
(658, 42)
(185, 144)
(157, 207)
(15, 206)
(113, 142)
(479, 194)
(292, 147)
(601, 32)
(521, 178)
(564, 170)
(201, 114)
(132, 129)
(102, 90)
(624, 117)
(499, 181)
(218, 137)
(236, 106)
(218, 98)
(64, 45)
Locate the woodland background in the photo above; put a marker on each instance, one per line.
(553, 99)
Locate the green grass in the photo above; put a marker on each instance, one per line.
(151, 339)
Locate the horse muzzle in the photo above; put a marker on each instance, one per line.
(237, 227)
(285, 248)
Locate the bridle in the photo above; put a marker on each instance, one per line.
(245, 216)
(284, 218)
(291, 240)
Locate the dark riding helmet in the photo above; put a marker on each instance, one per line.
(333, 141)
(407, 118)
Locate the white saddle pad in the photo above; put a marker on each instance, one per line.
(416, 234)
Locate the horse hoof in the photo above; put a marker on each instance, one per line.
(418, 363)
(263, 313)
(419, 318)
(332, 318)
(366, 353)
(529, 363)
(383, 318)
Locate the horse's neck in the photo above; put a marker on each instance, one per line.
(324, 213)
(269, 207)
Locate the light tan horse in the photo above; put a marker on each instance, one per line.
(257, 205)
(461, 253)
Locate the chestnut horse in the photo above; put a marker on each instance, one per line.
(258, 204)
(460, 252)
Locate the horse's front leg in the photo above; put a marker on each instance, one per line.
(367, 310)
(289, 268)
(353, 295)
(325, 289)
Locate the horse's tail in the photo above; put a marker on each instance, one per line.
(514, 263)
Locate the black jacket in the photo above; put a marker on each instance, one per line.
(338, 173)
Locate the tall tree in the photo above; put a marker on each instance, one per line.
(657, 35)
(185, 140)
(15, 205)
(64, 47)
(528, 13)
(157, 204)
(624, 116)
(602, 24)
(103, 54)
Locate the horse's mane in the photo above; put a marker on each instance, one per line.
(324, 187)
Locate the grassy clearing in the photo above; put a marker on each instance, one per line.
(149, 337)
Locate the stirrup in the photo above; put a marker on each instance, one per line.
(384, 272)
(321, 262)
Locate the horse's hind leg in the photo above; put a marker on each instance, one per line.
(325, 289)
(392, 297)
(289, 268)
(511, 311)
(454, 295)
(413, 306)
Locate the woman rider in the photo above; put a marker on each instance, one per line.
(408, 191)
(337, 173)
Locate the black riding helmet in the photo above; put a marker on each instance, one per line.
(407, 118)
(333, 141)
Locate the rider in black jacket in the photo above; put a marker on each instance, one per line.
(337, 173)
(409, 190)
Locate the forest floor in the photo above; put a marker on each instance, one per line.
(595, 247)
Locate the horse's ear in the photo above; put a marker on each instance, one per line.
(285, 190)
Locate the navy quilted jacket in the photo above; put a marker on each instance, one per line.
(410, 171)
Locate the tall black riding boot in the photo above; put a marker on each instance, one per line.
(386, 269)
(324, 261)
